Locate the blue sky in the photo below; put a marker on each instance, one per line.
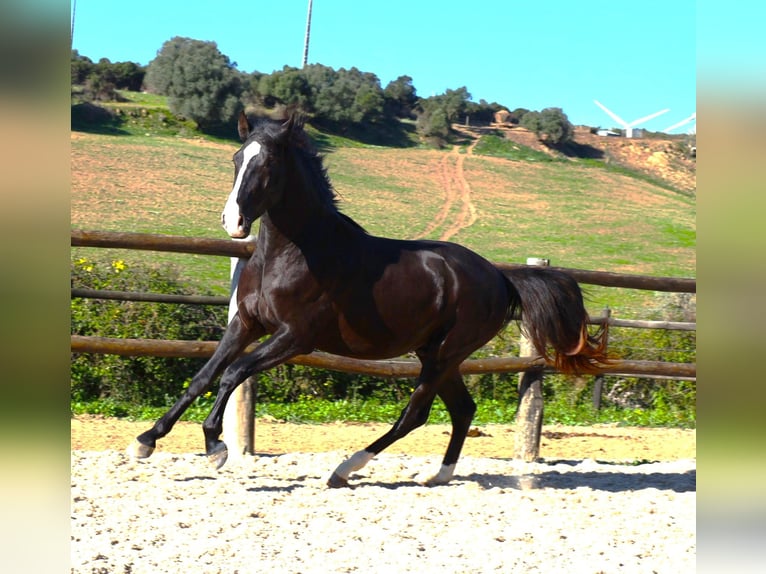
(634, 57)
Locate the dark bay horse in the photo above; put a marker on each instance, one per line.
(318, 281)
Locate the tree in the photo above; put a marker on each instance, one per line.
(401, 97)
(455, 103)
(437, 113)
(452, 102)
(200, 82)
(551, 125)
(369, 99)
(434, 125)
(483, 112)
(342, 97)
(555, 126)
(531, 121)
(98, 87)
(128, 75)
(518, 114)
(287, 87)
(102, 79)
(318, 78)
(81, 67)
(349, 97)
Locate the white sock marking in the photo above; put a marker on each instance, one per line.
(357, 461)
(443, 476)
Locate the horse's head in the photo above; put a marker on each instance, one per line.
(259, 169)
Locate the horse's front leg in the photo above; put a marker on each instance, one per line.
(235, 339)
(274, 351)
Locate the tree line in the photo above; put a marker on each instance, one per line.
(204, 85)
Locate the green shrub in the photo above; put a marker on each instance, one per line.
(138, 380)
(292, 383)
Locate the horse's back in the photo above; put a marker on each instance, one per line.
(449, 279)
(465, 264)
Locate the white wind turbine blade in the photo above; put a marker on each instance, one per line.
(681, 123)
(649, 117)
(612, 115)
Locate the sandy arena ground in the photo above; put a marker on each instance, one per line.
(601, 499)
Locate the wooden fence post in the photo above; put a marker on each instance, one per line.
(598, 382)
(529, 414)
(239, 414)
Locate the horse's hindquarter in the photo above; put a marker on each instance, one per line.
(408, 294)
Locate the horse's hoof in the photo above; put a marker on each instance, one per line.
(137, 449)
(336, 481)
(218, 457)
(442, 477)
(434, 481)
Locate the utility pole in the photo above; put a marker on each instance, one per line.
(71, 30)
(308, 34)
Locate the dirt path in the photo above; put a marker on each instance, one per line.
(457, 190)
(467, 213)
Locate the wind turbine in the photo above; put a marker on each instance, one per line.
(629, 126)
(691, 118)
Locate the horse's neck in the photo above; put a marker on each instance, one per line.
(304, 217)
(271, 240)
(314, 229)
(319, 235)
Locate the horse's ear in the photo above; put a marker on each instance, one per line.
(243, 126)
(294, 123)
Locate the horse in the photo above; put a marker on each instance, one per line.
(318, 281)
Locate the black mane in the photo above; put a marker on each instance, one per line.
(305, 151)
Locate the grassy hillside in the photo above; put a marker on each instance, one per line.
(137, 178)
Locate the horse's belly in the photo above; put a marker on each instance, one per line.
(377, 335)
(375, 343)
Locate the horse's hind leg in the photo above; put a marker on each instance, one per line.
(414, 415)
(461, 409)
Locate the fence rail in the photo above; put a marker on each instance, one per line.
(398, 368)
(401, 368)
(148, 297)
(229, 248)
(221, 300)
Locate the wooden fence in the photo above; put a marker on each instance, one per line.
(527, 448)
(389, 368)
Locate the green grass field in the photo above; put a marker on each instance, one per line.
(576, 214)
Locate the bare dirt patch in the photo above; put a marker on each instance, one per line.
(664, 159)
(609, 443)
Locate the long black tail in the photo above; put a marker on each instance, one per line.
(553, 317)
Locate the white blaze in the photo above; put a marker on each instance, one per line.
(230, 216)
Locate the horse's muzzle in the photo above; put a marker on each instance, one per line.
(237, 231)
